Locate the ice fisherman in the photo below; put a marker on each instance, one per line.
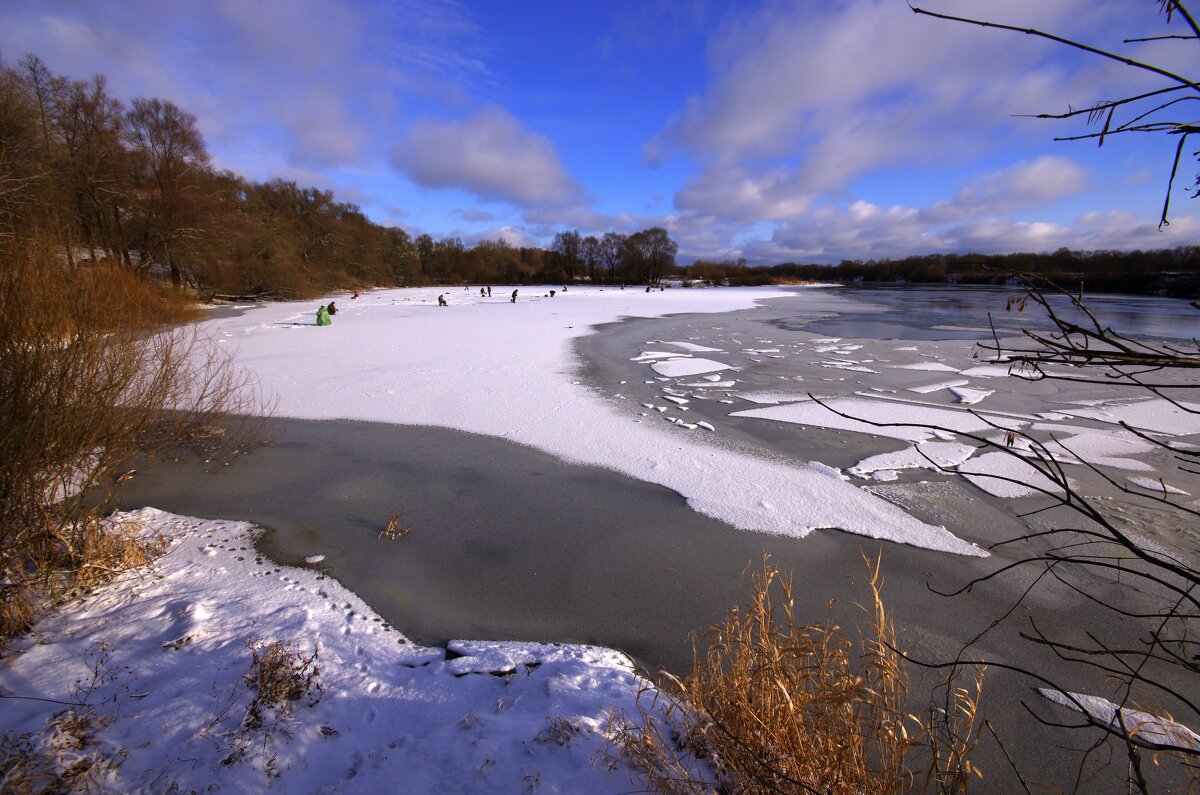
(323, 316)
(514, 296)
(442, 300)
(332, 308)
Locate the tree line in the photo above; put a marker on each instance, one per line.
(1173, 271)
(135, 185)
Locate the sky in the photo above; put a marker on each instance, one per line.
(805, 131)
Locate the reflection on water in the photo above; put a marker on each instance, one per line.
(948, 312)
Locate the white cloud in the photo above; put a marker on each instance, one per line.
(1025, 185)
(309, 83)
(866, 231)
(805, 98)
(490, 154)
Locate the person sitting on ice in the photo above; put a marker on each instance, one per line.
(332, 308)
(442, 300)
(323, 316)
(354, 296)
(482, 292)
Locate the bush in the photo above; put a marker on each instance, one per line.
(88, 377)
(775, 706)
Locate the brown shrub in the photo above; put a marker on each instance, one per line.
(280, 675)
(88, 377)
(776, 706)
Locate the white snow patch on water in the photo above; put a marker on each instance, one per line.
(1004, 475)
(936, 367)
(968, 395)
(914, 419)
(1156, 415)
(1151, 484)
(940, 385)
(675, 368)
(987, 371)
(931, 455)
(691, 347)
(506, 370)
(1143, 727)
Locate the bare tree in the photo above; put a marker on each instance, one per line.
(171, 157)
(611, 244)
(1159, 111)
(569, 247)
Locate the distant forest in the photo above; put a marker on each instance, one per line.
(134, 187)
(1173, 272)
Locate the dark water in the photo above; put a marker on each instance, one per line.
(932, 312)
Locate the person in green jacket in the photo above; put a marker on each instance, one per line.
(323, 317)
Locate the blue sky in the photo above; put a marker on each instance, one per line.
(775, 131)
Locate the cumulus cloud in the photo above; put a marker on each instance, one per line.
(866, 231)
(803, 99)
(309, 83)
(489, 154)
(1025, 185)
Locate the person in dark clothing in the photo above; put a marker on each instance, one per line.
(489, 291)
(514, 296)
(482, 292)
(332, 308)
(442, 301)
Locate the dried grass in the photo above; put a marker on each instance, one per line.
(89, 377)
(65, 757)
(395, 527)
(776, 706)
(279, 676)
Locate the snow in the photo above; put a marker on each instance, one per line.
(497, 368)
(863, 412)
(675, 368)
(936, 367)
(940, 385)
(987, 371)
(1100, 448)
(692, 347)
(931, 455)
(170, 644)
(170, 640)
(1159, 486)
(1143, 727)
(968, 395)
(1156, 415)
(996, 472)
(770, 398)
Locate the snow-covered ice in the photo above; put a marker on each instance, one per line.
(675, 368)
(492, 367)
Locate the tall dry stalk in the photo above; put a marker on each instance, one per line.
(88, 377)
(776, 706)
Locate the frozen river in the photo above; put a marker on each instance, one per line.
(511, 543)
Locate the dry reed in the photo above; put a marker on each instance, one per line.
(780, 706)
